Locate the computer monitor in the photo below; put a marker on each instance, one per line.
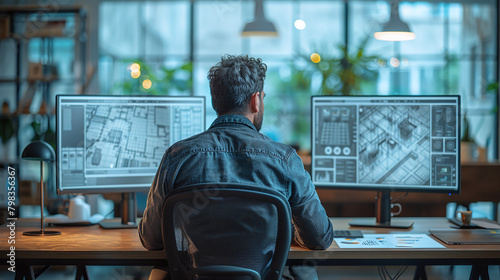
(108, 144)
(386, 143)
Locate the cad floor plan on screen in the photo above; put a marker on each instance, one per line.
(120, 141)
(132, 136)
(385, 142)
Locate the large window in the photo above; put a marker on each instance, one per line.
(455, 52)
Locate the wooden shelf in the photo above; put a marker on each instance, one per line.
(58, 24)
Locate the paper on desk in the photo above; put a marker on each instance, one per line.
(387, 241)
(485, 223)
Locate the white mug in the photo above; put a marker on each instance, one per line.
(79, 210)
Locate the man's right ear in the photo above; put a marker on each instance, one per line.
(255, 103)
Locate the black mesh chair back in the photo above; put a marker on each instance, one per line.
(211, 231)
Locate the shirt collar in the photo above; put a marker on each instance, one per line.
(230, 118)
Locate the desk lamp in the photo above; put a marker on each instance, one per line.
(40, 151)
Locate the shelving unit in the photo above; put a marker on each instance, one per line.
(36, 37)
(43, 52)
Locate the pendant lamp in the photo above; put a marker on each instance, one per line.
(395, 29)
(260, 26)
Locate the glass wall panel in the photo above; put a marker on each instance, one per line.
(119, 29)
(454, 52)
(135, 29)
(201, 87)
(153, 34)
(218, 26)
(324, 24)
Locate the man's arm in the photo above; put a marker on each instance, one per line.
(313, 229)
(150, 224)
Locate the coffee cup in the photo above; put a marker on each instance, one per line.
(466, 217)
(79, 210)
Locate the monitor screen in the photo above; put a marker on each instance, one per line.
(395, 143)
(115, 143)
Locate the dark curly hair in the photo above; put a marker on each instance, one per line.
(233, 80)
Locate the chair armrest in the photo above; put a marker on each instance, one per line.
(226, 270)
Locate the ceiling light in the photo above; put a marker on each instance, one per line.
(260, 26)
(395, 29)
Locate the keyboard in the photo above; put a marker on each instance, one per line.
(347, 234)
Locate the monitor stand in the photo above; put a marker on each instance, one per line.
(129, 214)
(383, 215)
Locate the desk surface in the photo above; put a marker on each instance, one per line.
(92, 245)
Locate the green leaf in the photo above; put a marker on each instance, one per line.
(492, 87)
(7, 129)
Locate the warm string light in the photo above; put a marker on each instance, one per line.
(135, 70)
(135, 75)
(146, 84)
(394, 62)
(315, 58)
(134, 67)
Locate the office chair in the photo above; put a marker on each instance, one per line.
(236, 231)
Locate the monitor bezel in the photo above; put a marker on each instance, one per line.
(101, 190)
(386, 188)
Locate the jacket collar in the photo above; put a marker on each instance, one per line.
(234, 119)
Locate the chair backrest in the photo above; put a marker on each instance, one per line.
(206, 226)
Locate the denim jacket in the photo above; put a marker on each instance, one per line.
(233, 151)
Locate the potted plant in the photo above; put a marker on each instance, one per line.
(467, 143)
(144, 79)
(470, 150)
(344, 75)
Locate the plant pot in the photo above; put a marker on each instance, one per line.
(468, 152)
(471, 152)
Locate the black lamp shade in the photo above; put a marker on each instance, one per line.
(38, 150)
(260, 26)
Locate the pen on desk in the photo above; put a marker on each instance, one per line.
(408, 236)
(350, 242)
(403, 245)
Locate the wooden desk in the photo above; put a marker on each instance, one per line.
(93, 245)
(451, 255)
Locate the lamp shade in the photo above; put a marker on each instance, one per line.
(395, 29)
(38, 150)
(260, 26)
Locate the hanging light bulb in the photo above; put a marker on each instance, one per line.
(260, 26)
(395, 29)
